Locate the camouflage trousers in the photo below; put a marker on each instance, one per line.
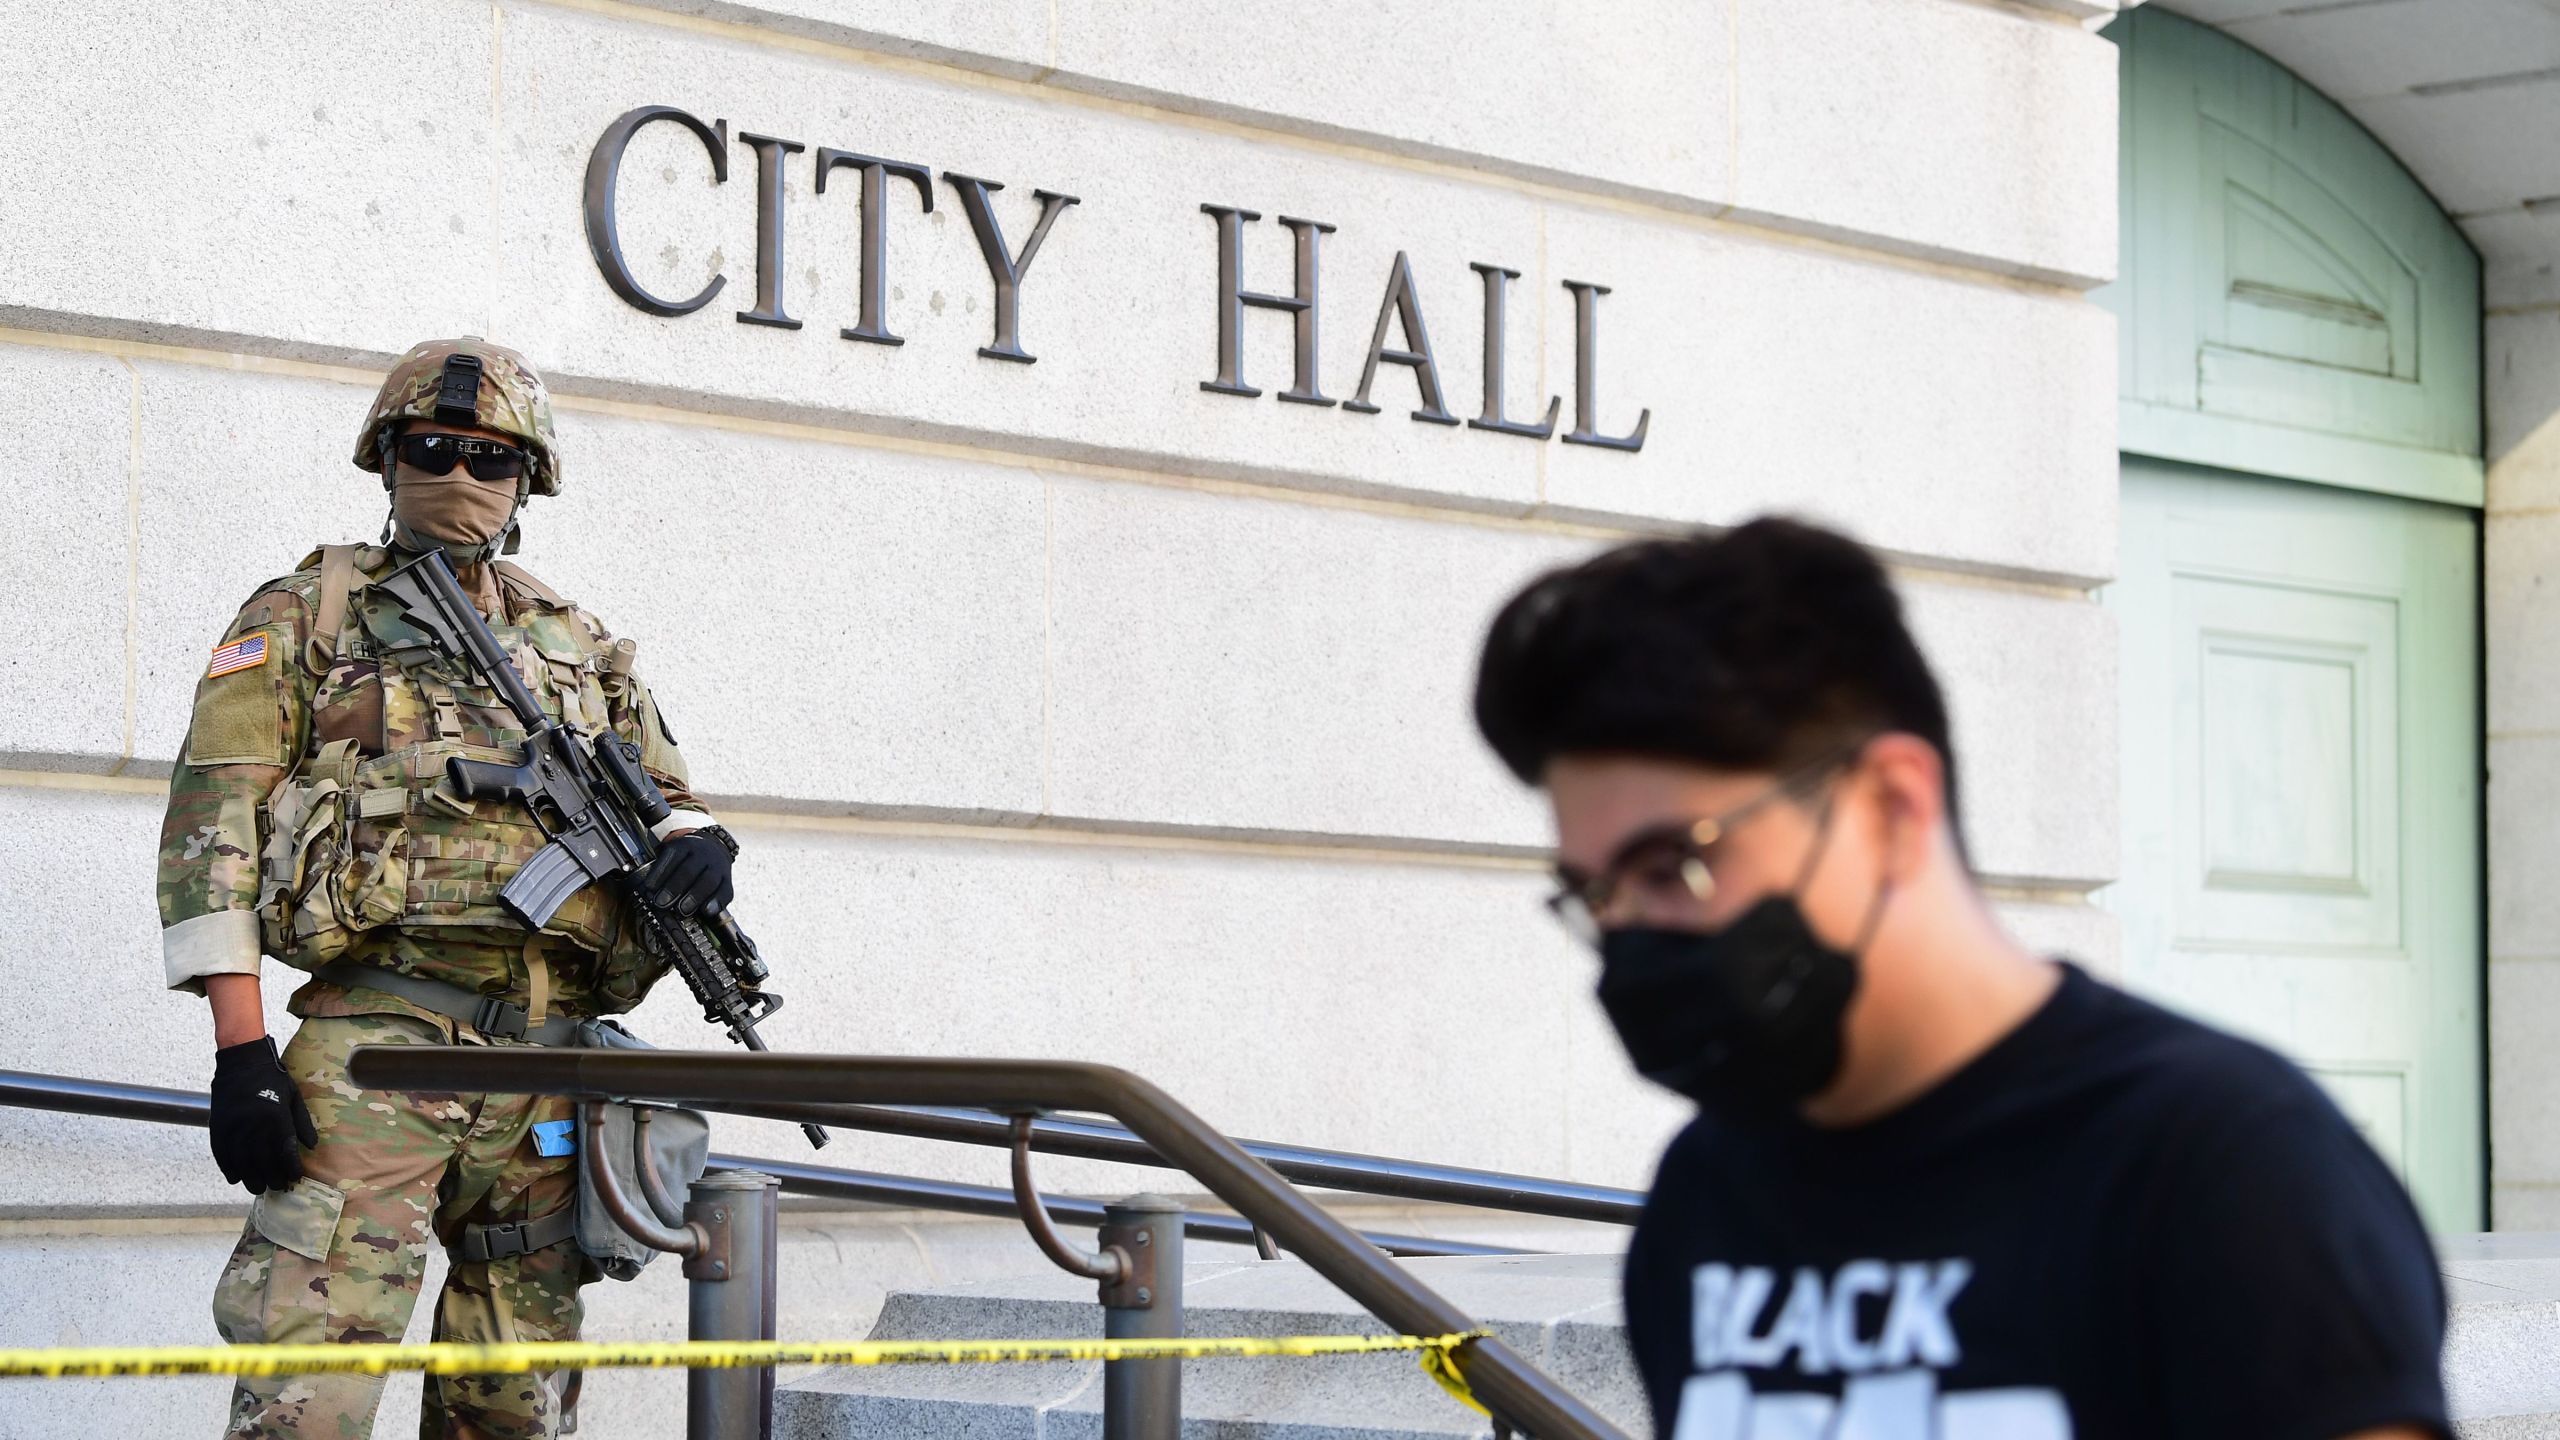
(340, 1256)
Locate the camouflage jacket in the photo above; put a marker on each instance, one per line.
(309, 818)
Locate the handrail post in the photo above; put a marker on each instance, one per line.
(1142, 1399)
(732, 1298)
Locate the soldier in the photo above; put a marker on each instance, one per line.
(309, 820)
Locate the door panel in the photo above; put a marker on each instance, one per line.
(2290, 818)
(2301, 794)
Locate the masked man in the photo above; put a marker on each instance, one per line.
(1937, 1186)
(309, 819)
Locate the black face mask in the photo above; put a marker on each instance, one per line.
(1745, 1019)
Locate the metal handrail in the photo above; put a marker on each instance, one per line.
(115, 1099)
(1508, 1384)
(1325, 1169)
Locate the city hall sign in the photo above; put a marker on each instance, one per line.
(1006, 267)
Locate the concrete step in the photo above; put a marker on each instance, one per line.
(1559, 1310)
(2502, 1352)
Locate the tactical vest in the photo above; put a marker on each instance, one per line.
(366, 832)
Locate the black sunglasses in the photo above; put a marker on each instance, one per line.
(438, 454)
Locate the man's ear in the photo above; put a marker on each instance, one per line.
(1911, 782)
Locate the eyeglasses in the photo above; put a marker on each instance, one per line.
(437, 454)
(1673, 863)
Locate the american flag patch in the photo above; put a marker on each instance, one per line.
(247, 652)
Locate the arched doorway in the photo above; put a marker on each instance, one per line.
(2299, 595)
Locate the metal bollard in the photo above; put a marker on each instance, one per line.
(732, 1299)
(1142, 1399)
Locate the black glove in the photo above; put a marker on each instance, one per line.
(258, 1116)
(690, 875)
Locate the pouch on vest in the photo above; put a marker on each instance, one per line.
(679, 1140)
(335, 863)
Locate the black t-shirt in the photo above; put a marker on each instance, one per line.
(2114, 1222)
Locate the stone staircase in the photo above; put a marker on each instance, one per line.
(1561, 1311)
(2502, 1361)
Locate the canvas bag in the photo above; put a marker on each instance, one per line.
(679, 1140)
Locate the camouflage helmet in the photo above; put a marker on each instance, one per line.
(505, 395)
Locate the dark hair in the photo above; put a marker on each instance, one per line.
(1764, 648)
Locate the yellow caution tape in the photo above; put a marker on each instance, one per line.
(450, 1359)
(1440, 1362)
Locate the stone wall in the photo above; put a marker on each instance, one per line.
(1064, 708)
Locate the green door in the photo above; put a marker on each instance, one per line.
(2301, 794)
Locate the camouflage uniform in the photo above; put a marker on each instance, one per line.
(309, 820)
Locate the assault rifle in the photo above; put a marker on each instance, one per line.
(589, 794)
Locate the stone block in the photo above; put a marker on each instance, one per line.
(1008, 38)
(1260, 666)
(2030, 686)
(1748, 417)
(1636, 101)
(866, 632)
(334, 197)
(2520, 617)
(88, 1286)
(68, 419)
(2522, 379)
(2515, 270)
(2524, 846)
(77, 867)
(241, 476)
(2525, 1208)
(1954, 130)
(2524, 1074)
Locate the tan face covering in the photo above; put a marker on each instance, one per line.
(454, 509)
